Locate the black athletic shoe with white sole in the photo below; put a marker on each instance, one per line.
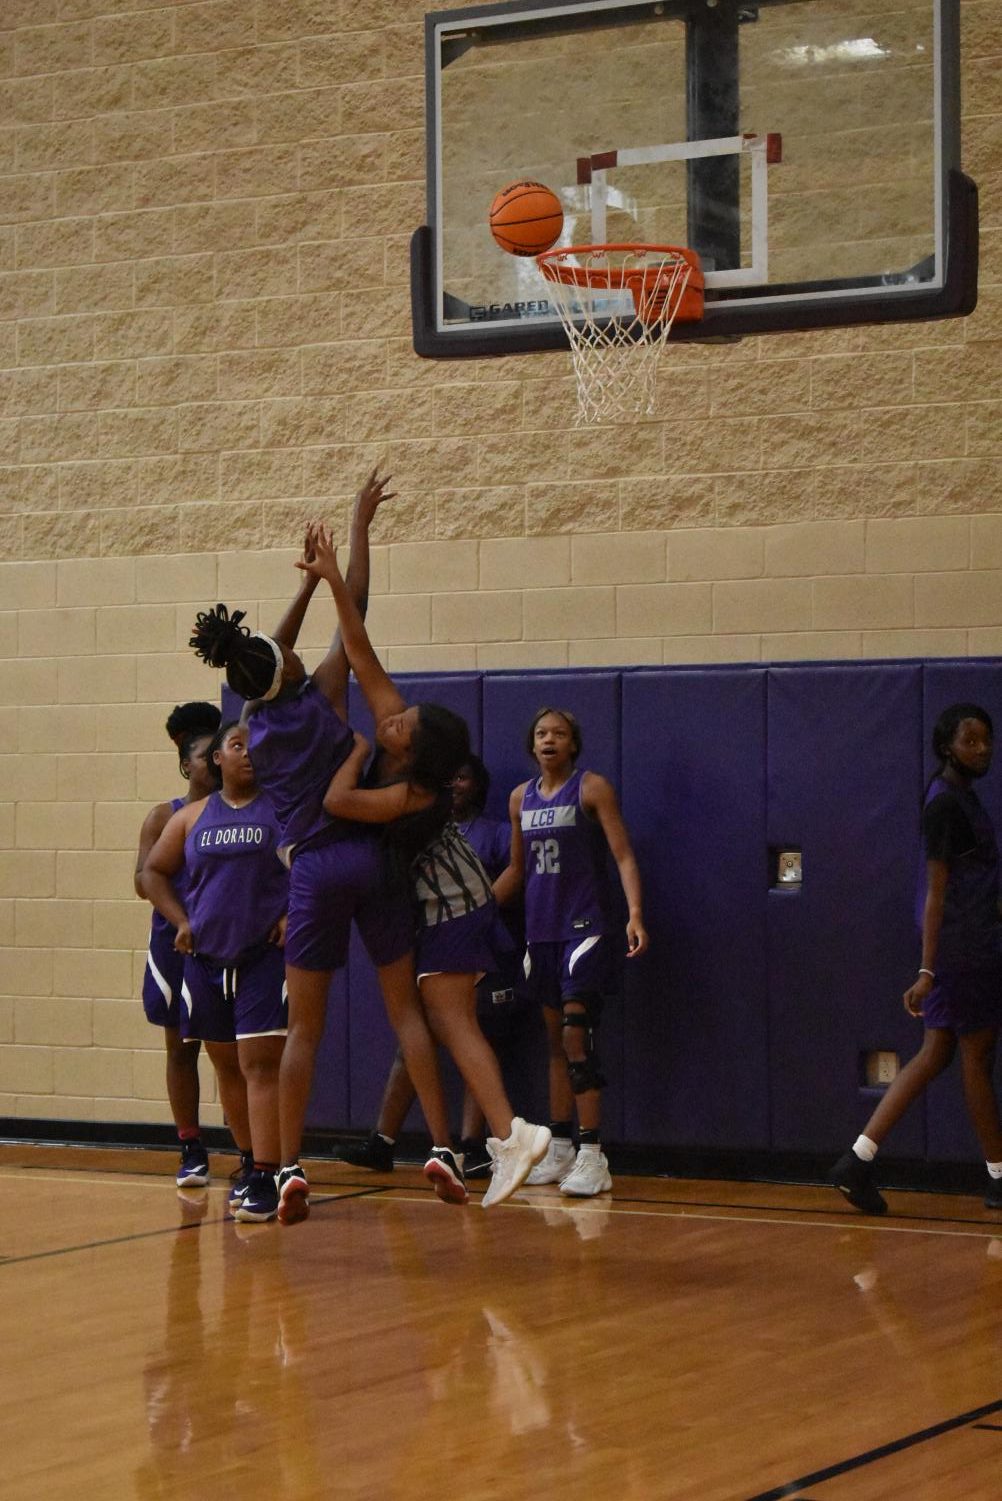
(444, 1169)
(854, 1178)
(993, 1198)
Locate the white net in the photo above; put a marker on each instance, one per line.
(617, 304)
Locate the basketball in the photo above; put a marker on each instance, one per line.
(526, 218)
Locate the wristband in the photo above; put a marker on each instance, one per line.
(930, 972)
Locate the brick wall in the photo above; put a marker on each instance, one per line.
(204, 337)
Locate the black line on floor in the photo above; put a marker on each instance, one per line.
(122, 1240)
(991, 1427)
(923, 1436)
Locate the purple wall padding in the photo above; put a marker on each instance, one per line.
(950, 1136)
(693, 796)
(510, 702)
(843, 778)
(747, 1023)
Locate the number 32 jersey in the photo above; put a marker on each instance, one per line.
(565, 865)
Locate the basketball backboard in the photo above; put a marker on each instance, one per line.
(807, 149)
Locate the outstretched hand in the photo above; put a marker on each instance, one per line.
(371, 496)
(320, 555)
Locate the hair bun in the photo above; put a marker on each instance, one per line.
(216, 634)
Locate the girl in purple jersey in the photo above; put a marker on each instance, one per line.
(958, 989)
(191, 727)
(459, 930)
(561, 825)
(298, 736)
(230, 926)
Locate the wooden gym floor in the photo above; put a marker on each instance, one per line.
(687, 1340)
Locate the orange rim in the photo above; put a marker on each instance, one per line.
(646, 283)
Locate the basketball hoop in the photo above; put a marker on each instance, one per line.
(618, 304)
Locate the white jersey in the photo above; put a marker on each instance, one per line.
(448, 879)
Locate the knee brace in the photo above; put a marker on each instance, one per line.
(584, 1073)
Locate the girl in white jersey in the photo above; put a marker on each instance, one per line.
(562, 823)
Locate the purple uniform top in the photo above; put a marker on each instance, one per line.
(296, 744)
(565, 875)
(159, 925)
(490, 840)
(957, 830)
(237, 886)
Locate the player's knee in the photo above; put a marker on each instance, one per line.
(584, 1073)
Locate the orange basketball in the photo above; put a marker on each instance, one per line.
(526, 218)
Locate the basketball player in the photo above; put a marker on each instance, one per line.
(191, 727)
(562, 824)
(298, 736)
(230, 928)
(958, 989)
(500, 997)
(459, 930)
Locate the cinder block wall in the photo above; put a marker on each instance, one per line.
(204, 221)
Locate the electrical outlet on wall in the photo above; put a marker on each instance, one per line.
(880, 1068)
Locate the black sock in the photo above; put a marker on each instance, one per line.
(562, 1130)
(588, 1138)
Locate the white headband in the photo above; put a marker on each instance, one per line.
(276, 681)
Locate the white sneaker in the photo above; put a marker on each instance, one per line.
(514, 1158)
(589, 1175)
(555, 1165)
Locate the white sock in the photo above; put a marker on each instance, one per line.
(994, 1169)
(866, 1150)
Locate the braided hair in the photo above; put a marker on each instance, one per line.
(251, 661)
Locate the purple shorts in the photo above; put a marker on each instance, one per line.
(224, 1002)
(965, 1000)
(578, 970)
(329, 885)
(466, 945)
(162, 980)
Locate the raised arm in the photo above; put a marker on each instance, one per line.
(286, 633)
(599, 799)
(379, 689)
(331, 676)
(509, 883)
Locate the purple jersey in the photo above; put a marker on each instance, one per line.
(296, 744)
(237, 886)
(160, 927)
(957, 830)
(490, 840)
(565, 876)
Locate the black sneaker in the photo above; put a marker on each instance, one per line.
(375, 1153)
(293, 1195)
(260, 1199)
(240, 1178)
(193, 1169)
(854, 1178)
(476, 1160)
(993, 1198)
(444, 1169)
